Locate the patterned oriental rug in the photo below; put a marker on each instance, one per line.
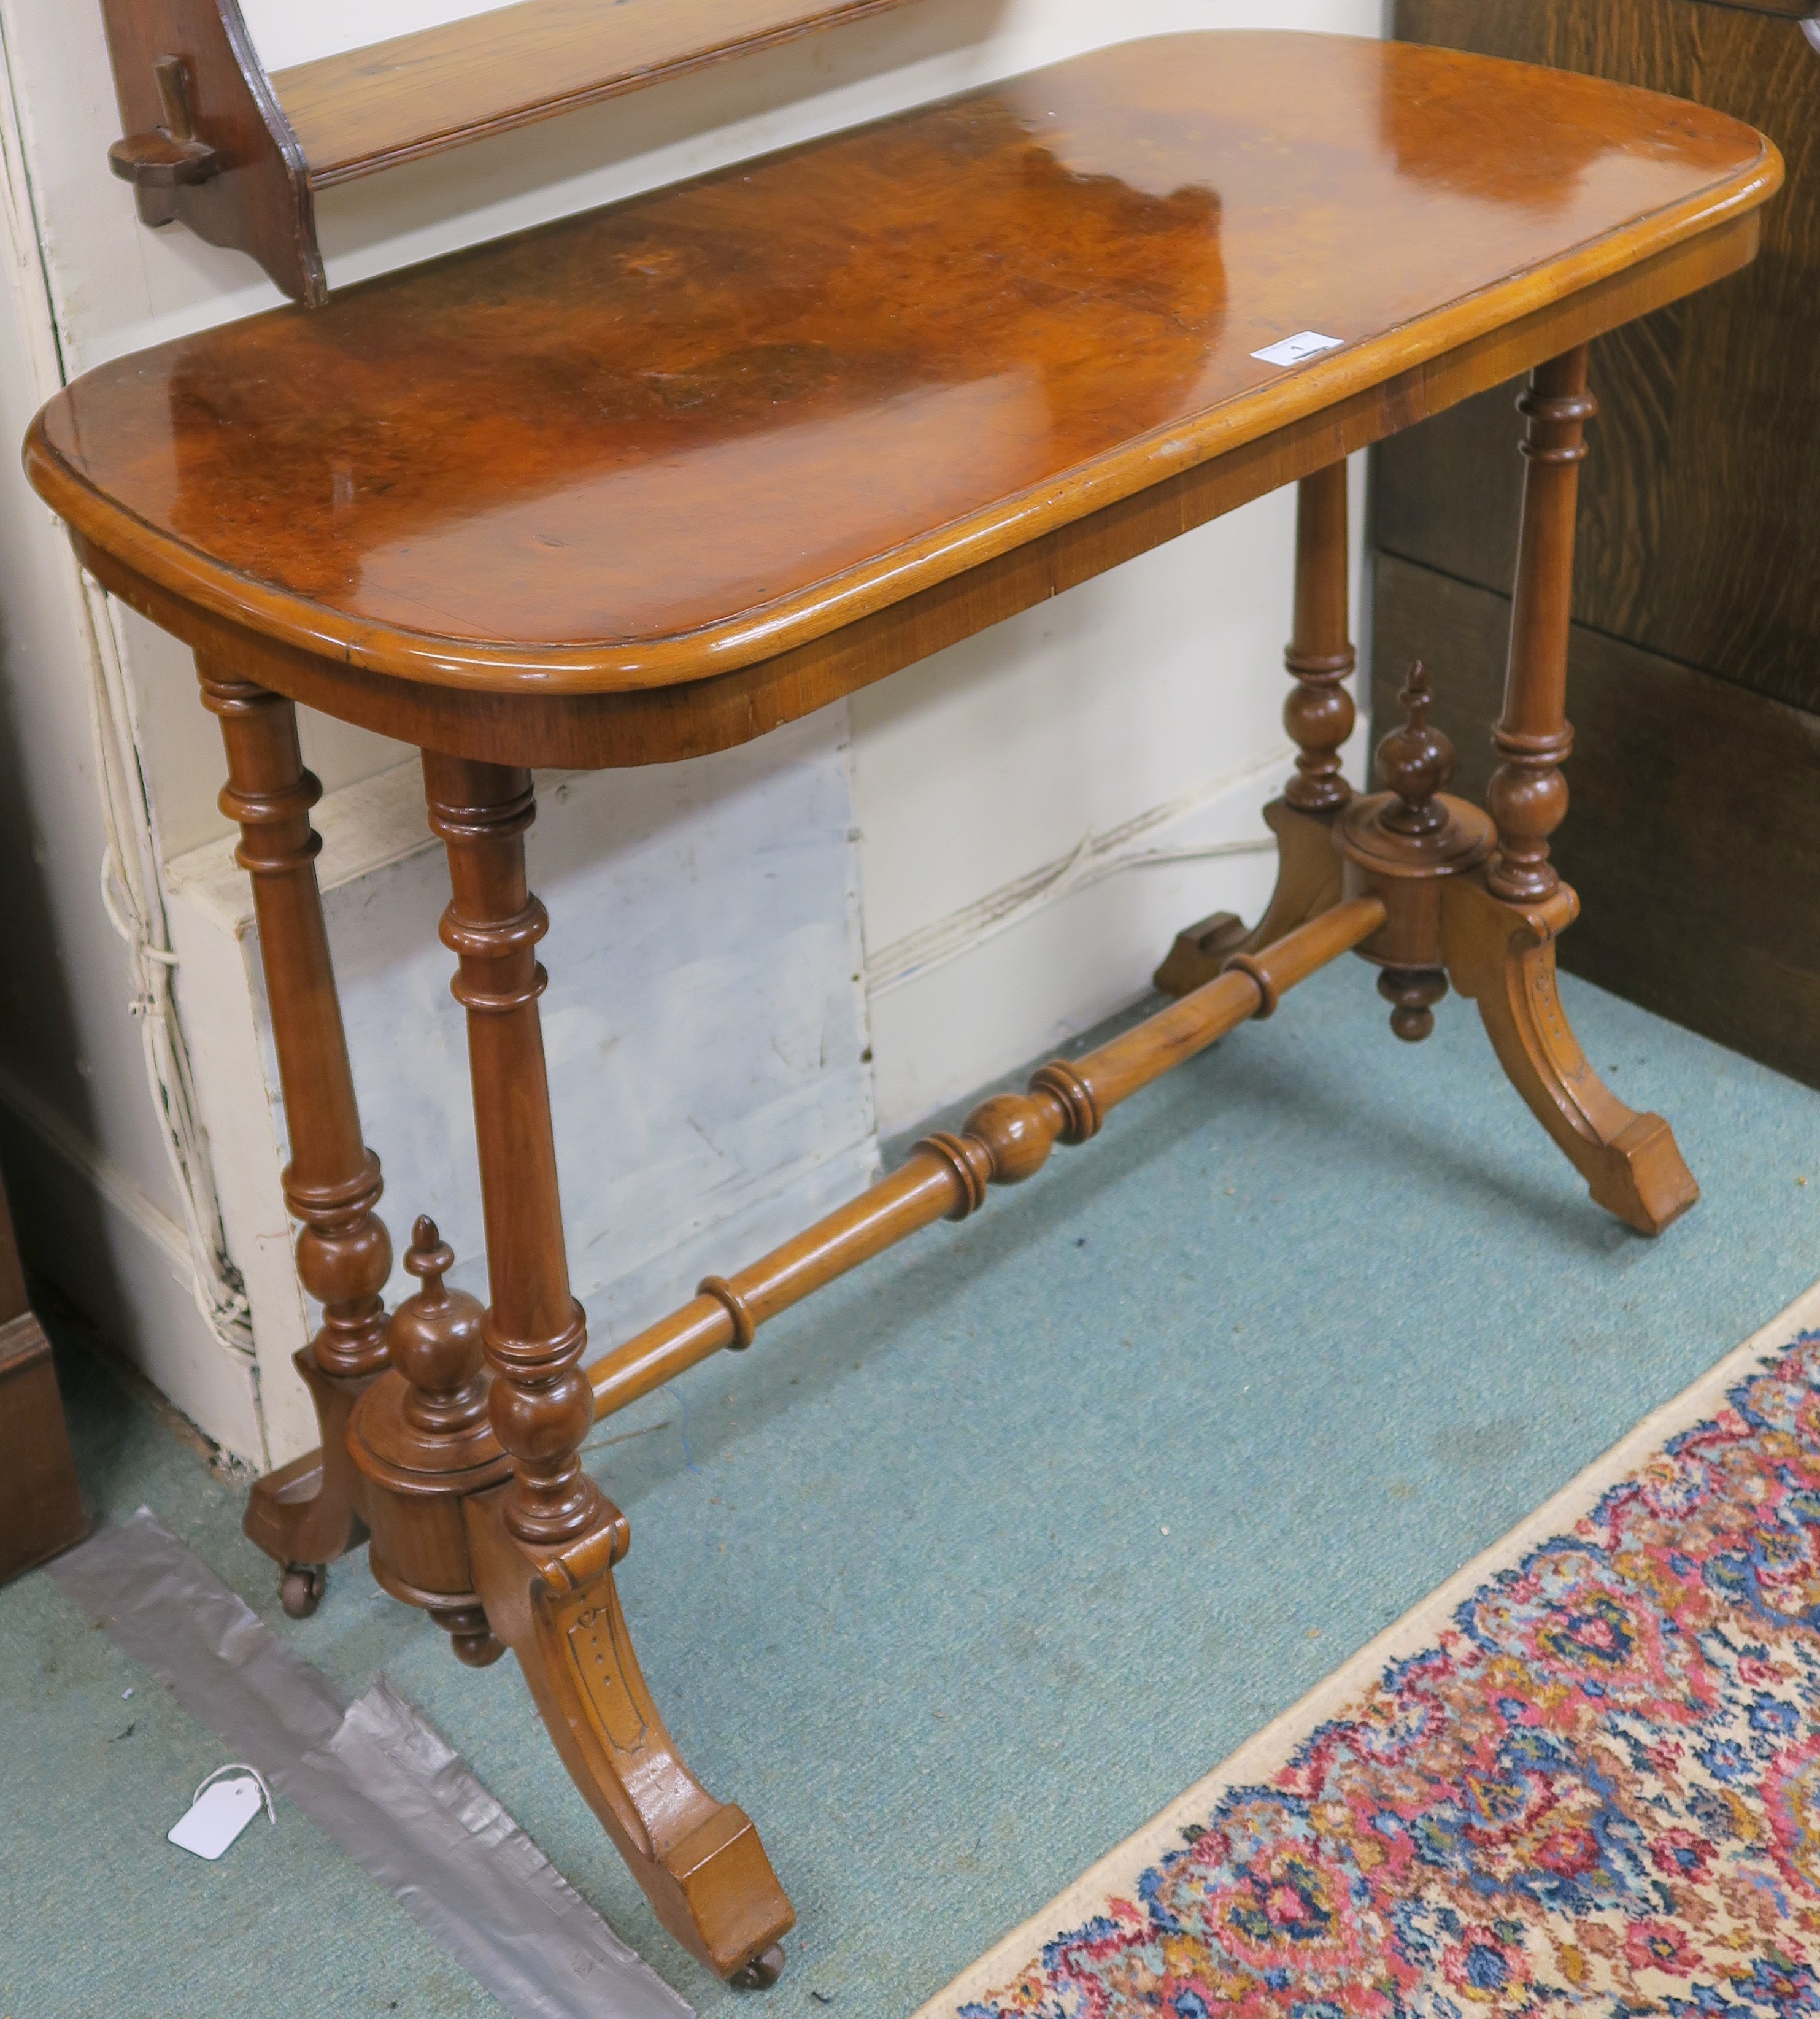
(1583, 1777)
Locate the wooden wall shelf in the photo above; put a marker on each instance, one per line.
(214, 142)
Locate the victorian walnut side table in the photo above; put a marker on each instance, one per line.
(647, 482)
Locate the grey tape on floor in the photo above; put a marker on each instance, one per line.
(372, 1774)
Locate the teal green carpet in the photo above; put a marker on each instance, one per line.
(983, 1556)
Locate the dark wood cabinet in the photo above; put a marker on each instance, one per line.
(41, 1505)
(1695, 684)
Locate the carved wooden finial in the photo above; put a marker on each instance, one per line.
(435, 1341)
(1416, 762)
(1412, 993)
(429, 1257)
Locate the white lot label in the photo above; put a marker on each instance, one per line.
(1292, 350)
(217, 1817)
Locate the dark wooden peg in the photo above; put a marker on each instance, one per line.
(1416, 762)
(1413, 992)
(435, 1341)
(171, 154)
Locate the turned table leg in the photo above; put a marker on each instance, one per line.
(309, 1511)
(1500, 924)
(543, 1546)
(1319, 715)
(1527, 797)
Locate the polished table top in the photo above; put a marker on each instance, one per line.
(686, 433)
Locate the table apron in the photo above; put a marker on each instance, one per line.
(601, 731)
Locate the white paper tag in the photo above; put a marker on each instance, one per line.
(1292, 350)
(217, 1817)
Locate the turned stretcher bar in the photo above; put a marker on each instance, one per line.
(1006, 1140)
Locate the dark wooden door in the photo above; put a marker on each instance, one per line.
(1694, 833)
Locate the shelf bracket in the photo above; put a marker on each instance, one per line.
(208, 144)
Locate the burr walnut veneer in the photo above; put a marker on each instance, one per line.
(647, 482)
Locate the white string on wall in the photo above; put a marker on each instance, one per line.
(131, 890)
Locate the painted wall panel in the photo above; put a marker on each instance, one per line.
(704, 1026)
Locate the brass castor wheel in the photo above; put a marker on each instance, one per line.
(301, 1587)
(762, 1972)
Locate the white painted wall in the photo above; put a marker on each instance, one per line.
(1033, 809)
(93, 1193)
(1042, 808)
(704, 1024)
